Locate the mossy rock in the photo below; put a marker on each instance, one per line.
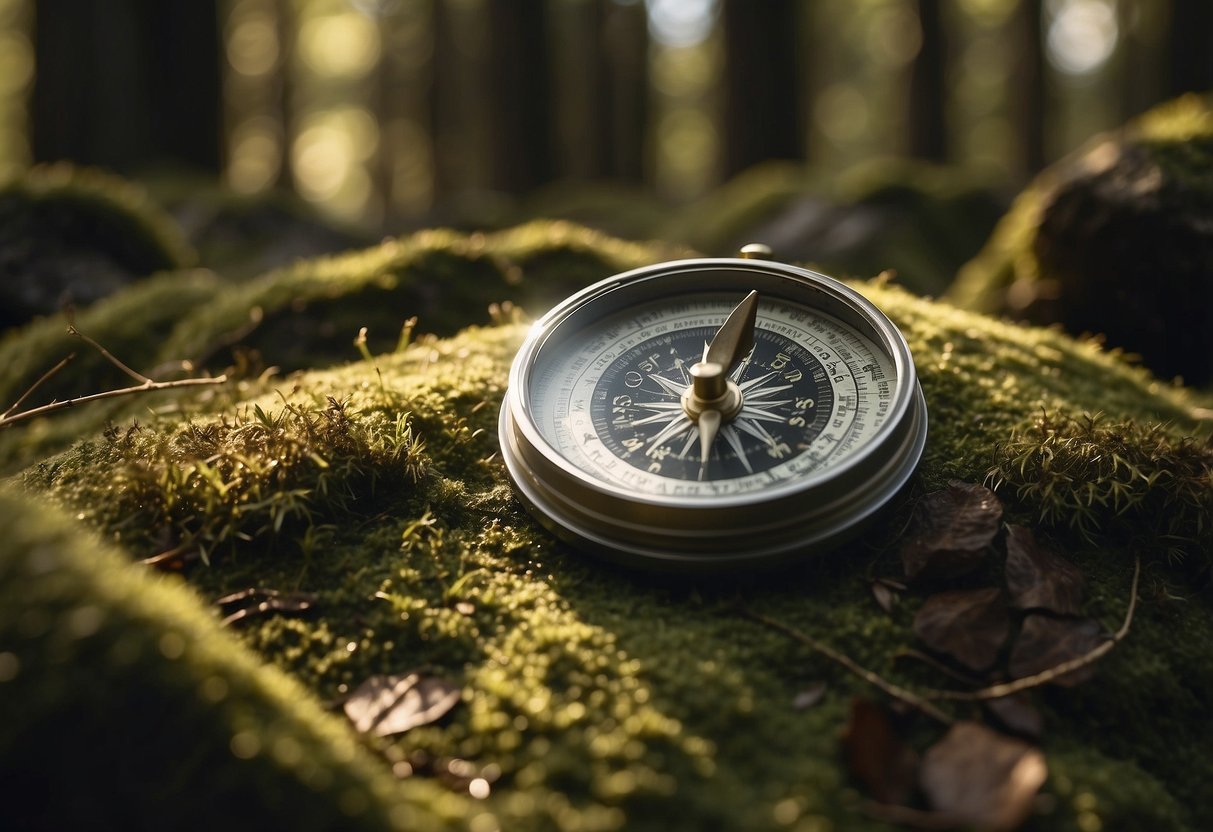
(1116, 240)
(72, 235)
(923, 220)
(244, 235)
(620, 210)
(308, 314)
(591, 697)
(304, 315)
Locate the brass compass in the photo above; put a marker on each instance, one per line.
(712, 413)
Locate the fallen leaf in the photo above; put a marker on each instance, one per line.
(810, 696)
(876, 756)
(981, 778)
(1045, 642)
(1039, 579)
(1017, 714)
(885, 595)
(386, 705)
(970, 625)
(952, 529)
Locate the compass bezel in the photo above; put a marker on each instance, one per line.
(700, 532)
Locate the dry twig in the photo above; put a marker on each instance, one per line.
(896, 691)
(12, 415)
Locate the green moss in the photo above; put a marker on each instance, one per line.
(131, 325)
(76, 234)
(306, 315)
(1092, 476)
(596, 698)
(185, 727)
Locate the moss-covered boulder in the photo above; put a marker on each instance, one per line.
(923, 220)
(243, 235)
(1116, 240)
(354, 520)
(71, 235)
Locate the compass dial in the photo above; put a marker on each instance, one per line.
(660, 418)
(637, 410)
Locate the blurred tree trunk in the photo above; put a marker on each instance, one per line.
(518, 95)
(623, 89)
(1142, 56)
(928, 126)
(600, 61)
(444, 97)
(1027, 79)
(1191, 33)
(127, 84)
(762, 83)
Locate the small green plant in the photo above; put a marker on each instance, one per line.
(1097, 477)
(262, 474)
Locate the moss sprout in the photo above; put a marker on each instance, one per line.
(260, 475)
(1094, 475)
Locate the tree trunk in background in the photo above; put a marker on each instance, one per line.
(1191, 33)
(444, 97)
(623, 98)
(928, 126)
(127, 84)
(1027, 94)
(518, 95)
(762, 83)
(1140, 66)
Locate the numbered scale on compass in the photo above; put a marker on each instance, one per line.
(705, 414)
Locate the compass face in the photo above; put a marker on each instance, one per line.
(637, 411)
(825, 420)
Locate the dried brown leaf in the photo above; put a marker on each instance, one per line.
(952, 529)
(386, 705)
(876, 755)
(970, 625)
(1045, 642)
(1037, 578)
(1017, 714)
(981, 778)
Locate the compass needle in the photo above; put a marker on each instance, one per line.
(735, 337)
(709, 425)
(662, 418)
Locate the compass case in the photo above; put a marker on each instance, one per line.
(718, 528)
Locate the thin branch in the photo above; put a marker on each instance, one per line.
(45, 377)
(172, 558)
(7, 420)
(110, 357)
(918, 655)
(895, 691)
(1055, 672)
